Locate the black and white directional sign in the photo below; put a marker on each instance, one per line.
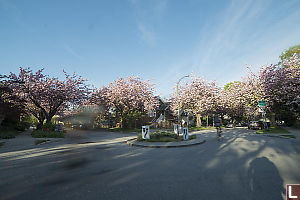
(145, 132)
(177, 129)
(185, 132)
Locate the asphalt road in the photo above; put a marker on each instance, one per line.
(95, 165)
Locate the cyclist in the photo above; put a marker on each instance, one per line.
(218, 123)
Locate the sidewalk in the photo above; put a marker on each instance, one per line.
(22, 141)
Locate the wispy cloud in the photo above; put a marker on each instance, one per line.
(146, 35)
(160, 7)
(148, 14)
(71, 51)
(243, 33)
(15, 14)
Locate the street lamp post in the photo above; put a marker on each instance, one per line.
(178, 95)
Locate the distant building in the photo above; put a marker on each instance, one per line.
(83, 116)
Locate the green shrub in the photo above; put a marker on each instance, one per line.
(14, 125)
(201, 128)
(163, 136)
(139, 137)
(8, 124)
(48, 126)
(45, 134)
(8, 134)
(191, 137)
(164, 139)
(160, 134)
(22, 126)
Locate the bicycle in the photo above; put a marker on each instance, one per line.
(219, 133)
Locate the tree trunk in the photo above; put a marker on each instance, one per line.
(48, 120)
(121, 122)
(207, 120)
(198, 117)
(272, 121)
(41, 119)
(40, 124)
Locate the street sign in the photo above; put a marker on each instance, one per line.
(177, 129)
(185, 132)
(261, 103)
(145, 132)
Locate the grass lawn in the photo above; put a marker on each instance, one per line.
(44, 134)
(272, 130)
(139, 130)
(40, 141)
(162, 139)
(201, 128)
(164, 136)
(289, 136)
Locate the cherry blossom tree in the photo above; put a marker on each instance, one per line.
(240, 99)
(127, 97)
(45, 96)
(278, 85)
(281, 84)
(199, 96)
(292, 51)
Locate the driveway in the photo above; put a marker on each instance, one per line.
(99, 165)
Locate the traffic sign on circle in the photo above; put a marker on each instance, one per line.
(261, 103)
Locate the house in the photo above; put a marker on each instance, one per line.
(164, 117)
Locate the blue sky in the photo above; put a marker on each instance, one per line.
(161, 40)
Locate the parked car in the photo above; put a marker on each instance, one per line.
(79, 126)
(280, 123)
(74, 126)
(59, 128)
(229, 125)
(238, 124)
(244, 124)
(255, 125)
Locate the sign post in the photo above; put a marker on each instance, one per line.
(262, 103)
(177, 129)
(262, 106)
(185, 132)
(146, 132)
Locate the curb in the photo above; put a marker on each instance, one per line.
(165, 146)
(49, 140)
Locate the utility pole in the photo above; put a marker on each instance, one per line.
(178, 96)
(207, 121)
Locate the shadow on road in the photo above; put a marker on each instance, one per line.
(239, 167)
(267, 187)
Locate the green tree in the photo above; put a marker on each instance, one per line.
(290, 52)
(230, 84)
